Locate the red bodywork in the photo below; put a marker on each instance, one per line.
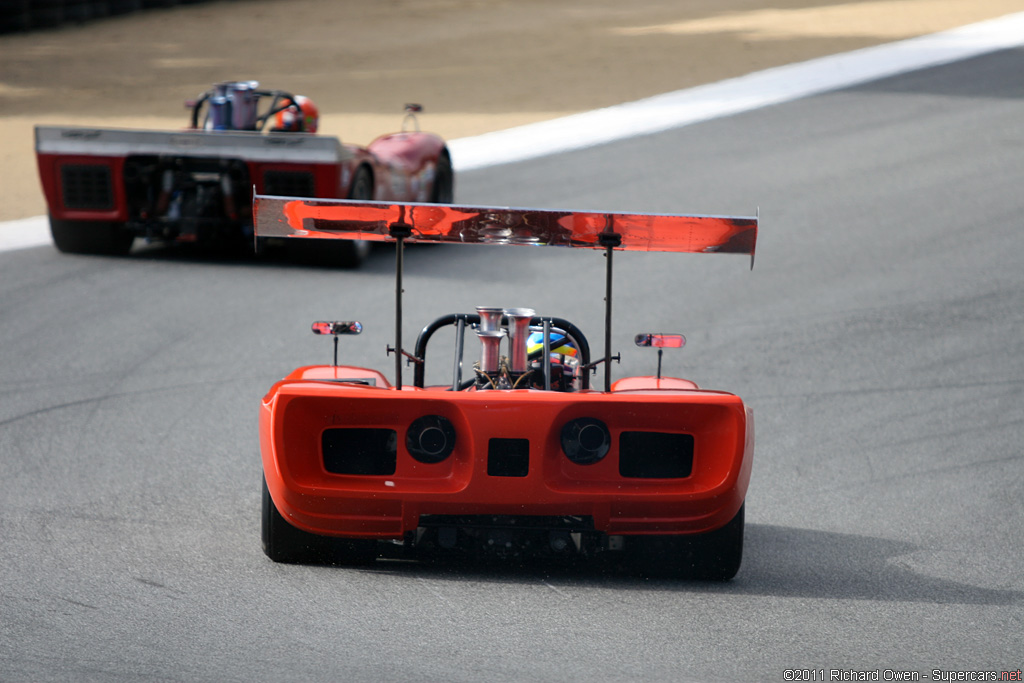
(297, 410)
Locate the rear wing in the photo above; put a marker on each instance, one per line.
(245, 145)
(453, 224)
(292, 217)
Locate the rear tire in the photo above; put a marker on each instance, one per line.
(90, 237)
(336, 252)
(712, 556)
(124, 6)
(354, 252)
(284, 543)
(716, 555)
(444, 180)
(46, 13)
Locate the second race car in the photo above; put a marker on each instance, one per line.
(106, 187)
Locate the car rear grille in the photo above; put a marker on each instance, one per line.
(289, 183)
(508, 457)
(87, 186)
(352, 450)
(655, 455)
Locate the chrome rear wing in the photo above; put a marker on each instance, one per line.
(297, 218)
(454, 224)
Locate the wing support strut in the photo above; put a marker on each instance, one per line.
(608, 239)
(399, 230)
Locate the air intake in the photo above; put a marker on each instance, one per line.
(655, 455)
(86, 186)
(508, 457)
(351, 450)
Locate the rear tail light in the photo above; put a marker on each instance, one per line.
(586, 440)
(430, 439)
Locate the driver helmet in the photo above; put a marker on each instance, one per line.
(564, 358)
(289, 120)
(561, 346)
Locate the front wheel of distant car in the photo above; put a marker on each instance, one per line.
(444, 180)
(90, 237)
(352, 253)
(337, 252)
(284, 543)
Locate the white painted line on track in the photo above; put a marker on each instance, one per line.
(685, 107)
(736, 95)
(24, 233)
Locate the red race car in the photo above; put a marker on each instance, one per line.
(106, 187)
(520, 454)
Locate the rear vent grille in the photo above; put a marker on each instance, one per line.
(360, 451)
(655, 455)
(508, 457)
(289, 183)
(87, 186)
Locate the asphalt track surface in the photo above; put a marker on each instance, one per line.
(878, 339)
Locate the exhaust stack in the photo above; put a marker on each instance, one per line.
(490, 352)
(490, 318)
(490, 333)
(519, 334)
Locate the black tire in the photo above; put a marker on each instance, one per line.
(713, 556)
(80, 11)
(90, 237)
(46, 13)
(443, 191)
(14, 16)
(284, 543)
(124, 6)
(716, 555)
(343, 253)
(354, 252)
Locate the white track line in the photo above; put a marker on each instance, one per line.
(736, 95)
(685, 107)
(24, 233)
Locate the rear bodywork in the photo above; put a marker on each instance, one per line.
(328, 475)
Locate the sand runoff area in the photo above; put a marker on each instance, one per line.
(476, 65)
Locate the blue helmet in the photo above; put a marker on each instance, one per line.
(561, 346)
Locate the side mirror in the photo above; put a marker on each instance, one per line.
(335, 328)
(661, 341)
(411, 110)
